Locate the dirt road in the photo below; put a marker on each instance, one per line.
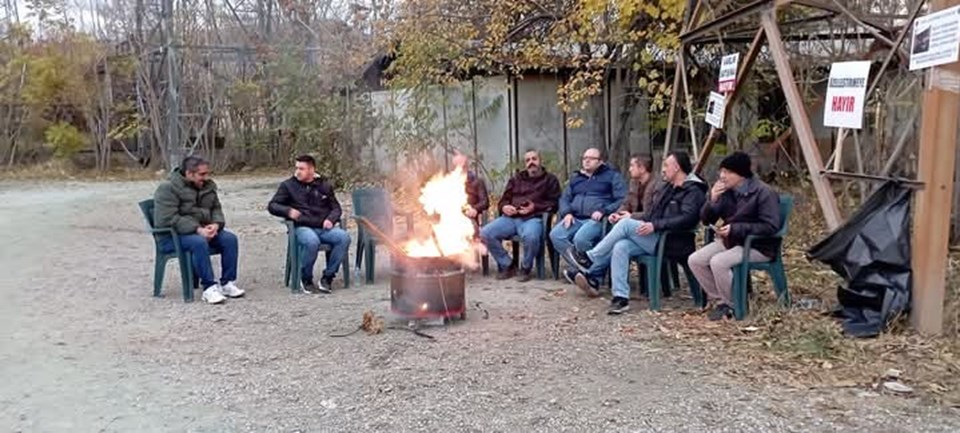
(85, 348)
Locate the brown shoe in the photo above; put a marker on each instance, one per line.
(507, 274)
(524, 276)
(589, 287)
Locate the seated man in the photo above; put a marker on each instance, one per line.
(310, 201)
(528, 194)
(188, 203)
(746, 206)
(594, 191)
(478, 201)
(643, 183)
(676, 206)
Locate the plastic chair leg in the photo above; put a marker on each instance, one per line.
(371, 253)
(739, 291)
(159, 268)
(541, 258)
(186, 276)
(485, 264)
(699, 298)
(515, 247)
(653, 285)
(345, 265)
(779, 278)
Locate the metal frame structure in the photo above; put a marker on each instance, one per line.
(737, 21)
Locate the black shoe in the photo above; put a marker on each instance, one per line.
(722, 311)
(577, 258)
(525, 275)
(326, 285)
(618, 306)
(309, 286)
(507, 274)
(570, 275)
(590, 287)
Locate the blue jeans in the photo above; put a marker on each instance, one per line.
(504, 228)
(615, 251)
(199, 247)
(582, 234)
(310, 240)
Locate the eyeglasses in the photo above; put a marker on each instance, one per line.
(590, 158)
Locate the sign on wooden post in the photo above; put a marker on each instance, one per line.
(936, 39)
(846, 93)
(728, 73)
(715, 110)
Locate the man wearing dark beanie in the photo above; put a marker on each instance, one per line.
(738, 205)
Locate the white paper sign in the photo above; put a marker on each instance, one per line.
(936, 39)
(846, 92)
(728, 72)
(715, 109)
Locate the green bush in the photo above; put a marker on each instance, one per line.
(65, 139)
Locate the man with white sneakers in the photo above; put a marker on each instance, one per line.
(188, 203)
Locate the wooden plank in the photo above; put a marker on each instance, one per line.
(674, 92)
(931, 221)
(688, 104)
(744, 68)
(801, 122)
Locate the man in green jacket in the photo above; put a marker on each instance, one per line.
(187, 202)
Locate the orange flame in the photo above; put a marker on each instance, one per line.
(444, 197)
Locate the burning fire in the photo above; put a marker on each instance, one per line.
(451, 232)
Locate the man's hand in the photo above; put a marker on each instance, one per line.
(206, 232)
(645, 228)
(596, 216)
(327, 224)
(293, 214)
(567, 220)
(723, 231)
(470, 212)
(613, 218)
(213, 228)
(509, 210)
(527, 209)
(718, 189)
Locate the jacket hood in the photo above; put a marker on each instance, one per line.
(694, 181)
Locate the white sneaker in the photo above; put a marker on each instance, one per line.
(213, 295)
(231, 290)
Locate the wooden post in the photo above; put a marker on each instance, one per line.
(931, 221)
(801, 122)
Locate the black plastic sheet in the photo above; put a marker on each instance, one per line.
(871, 252)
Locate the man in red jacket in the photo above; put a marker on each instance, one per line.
(528, 194)
(746, 206)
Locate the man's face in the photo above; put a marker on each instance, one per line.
(531, 160)
(670, 169)
(729, 178)
(591, 160)
(636, 169)
(305, 172)
(199, 176)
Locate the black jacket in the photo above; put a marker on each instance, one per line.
(752, 209)
(677, 208)
(316, 201)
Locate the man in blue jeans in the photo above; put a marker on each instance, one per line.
(528, 194)
(310, 201)
(676, 207)
(594, 191)
(188, 203)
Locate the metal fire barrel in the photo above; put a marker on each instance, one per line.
(427, 288)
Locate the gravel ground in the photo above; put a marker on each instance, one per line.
(85, 347)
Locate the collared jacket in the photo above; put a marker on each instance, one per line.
(180, 205)
(604, 191)
(315, 200)
(753, 208)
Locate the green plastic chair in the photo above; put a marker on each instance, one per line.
(374, 204)
(291, 272)
(654, 265)
(741, 273)
(187, 279)
(546, 251)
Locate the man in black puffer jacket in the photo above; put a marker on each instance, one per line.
(676, 206)
(311, 202)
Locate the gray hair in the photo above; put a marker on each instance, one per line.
(192, 163)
